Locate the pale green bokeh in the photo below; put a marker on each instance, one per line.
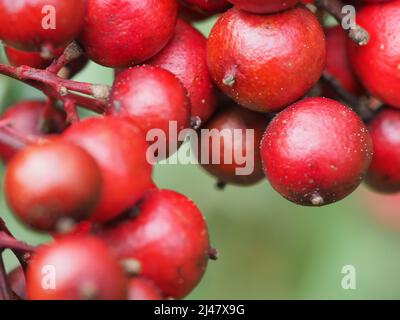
(269, 248)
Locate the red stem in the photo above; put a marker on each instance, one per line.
(4, 286)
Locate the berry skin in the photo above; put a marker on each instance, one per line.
(119, 148)
(377, 63)
(84, 268)
(265, 62)
(169, 238)
(207, 6)
(152, 97)
(384, 173)
(25, 58)
(31, 117)
(22, 21)
(232, 119)
(16, 280)
(316, 152)
(185, 56)
(262, 6)
(122, 33)
(49, 182)
(143, 289)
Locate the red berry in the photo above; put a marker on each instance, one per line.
(225, 127)
(262, 6)
(16, 280)
(25, 58)
(185, 56)
(169, 238)
(83, 268)
(119, 148)
(265, 62)
(26, 24)
(316, 152)
(377, 63)
(152, 97)
(47, 183)
(143, 289)
(31, 117)
(121, 33)
(384, 173)
(207, 6)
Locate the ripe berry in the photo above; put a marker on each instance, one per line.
(377, 63)
(31, 117)
(119, 148)
(185, 56)
(121, 33)
(73, 268)
(207, 6)
(25, 58)
(384, 173)
(265, 62)
(27, 24)
(262, 6)
(316, 152)
(226, 126)
(49, 182)
(143, 289)
(152, 97)
(16, 280)
(168, 237)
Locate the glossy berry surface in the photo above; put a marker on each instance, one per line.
(119, 148)
(185, 56)
(121, 33)
(316, 152)
(377, 63)
(143, 289)
(207, 6)
(153, 98)
(31, 117)
(25, 58)
(230, 126)
(262, 6)
(169, 238)
(384, 173)
(266, 62)
(49, 182)
(75, 268)
(32, 24)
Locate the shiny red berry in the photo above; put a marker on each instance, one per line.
(34, 24)
(142, 289)
(119, 148)
(185, 56)
(31, 117)
(169, 238)
(25, 58)
(121, 33)
(207, 6)
(238, 133)
(263, 6)
(50, 182)
(377, 63)
(266, 62)
(316, 152)
(75, 268)
(153, 98)
(384, 173)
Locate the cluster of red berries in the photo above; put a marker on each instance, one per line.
(89, 183)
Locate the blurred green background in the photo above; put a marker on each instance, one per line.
(270, 248)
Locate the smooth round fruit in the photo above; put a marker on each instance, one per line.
(32, 59)
(264, 6)
(185, 56)
(34, 118)
(153, 98)
(229, 128)
(122, 33)
(377, 63)
(35, 24)
(338, 62)
(207, 6)
(119, 148)
(169, 238)
(316, 152)
(143, 289)
(265, 62)
(16, 280)
(51, 182)
(384, 173)
(75, 268)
